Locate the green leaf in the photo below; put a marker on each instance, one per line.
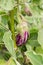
(33, 38)
(33, 43)
(33, 34)
(9, 43)
(3, 26)
(11, 62)
(17, 62)
(36, 1)
(5, 19)
(34, 58)
(2, 60)
(2, 31)
(7, 4)
(39, 50)
(4, 22)
(40, 37)
(34, 8)
(41, 4)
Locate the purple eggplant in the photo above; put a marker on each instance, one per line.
(22, 36)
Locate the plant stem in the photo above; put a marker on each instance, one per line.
(18, 12)
(26, 60)
(11, 16)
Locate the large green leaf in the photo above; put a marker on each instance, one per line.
(40, 37)
(34, 58)
(9, 43)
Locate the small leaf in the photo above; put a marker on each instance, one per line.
(40, 37)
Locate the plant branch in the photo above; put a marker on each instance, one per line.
(11, 15)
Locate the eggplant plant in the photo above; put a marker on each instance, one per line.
(21, 32)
